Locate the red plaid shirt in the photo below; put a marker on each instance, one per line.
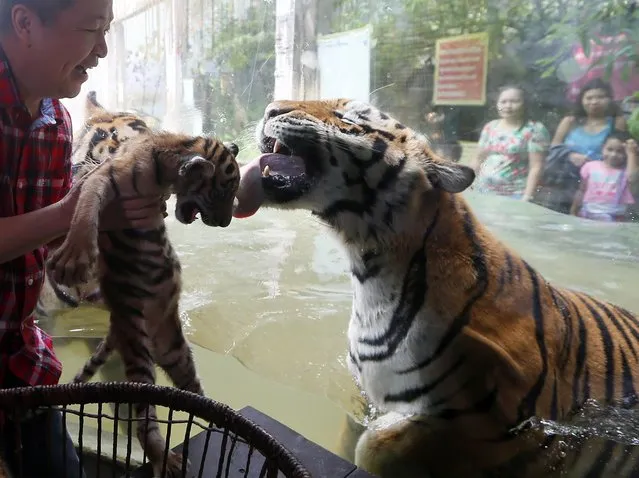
(35, 171)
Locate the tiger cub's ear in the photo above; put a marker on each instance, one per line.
(449, 176)
(233, 148)
(196, 167)
(92, 106)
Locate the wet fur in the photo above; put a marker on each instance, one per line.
(138, 272)
(453, 336)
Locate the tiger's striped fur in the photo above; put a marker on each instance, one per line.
(453, 336)
(139, 272)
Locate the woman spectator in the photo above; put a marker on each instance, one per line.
(511, 149)
(594, 117)
(579, 138)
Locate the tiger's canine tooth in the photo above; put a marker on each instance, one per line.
(266, 171)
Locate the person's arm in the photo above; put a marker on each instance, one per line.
(620, 123)
(482, 150)
(537, 148)
(579, 197)
(21, 234)
(577, 201)
(563, 129)
(565, 125)
(477, 161)
(632, 168)
(535, 167)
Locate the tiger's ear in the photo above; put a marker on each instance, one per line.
(196, 167)
(451, 177)
(91, 105)
(233, 148)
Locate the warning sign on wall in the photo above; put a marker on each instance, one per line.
(460, 70)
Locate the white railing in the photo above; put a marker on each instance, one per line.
(123, 9)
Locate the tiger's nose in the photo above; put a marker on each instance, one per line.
(276, 109)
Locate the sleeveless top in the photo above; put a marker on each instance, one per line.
(590, 144)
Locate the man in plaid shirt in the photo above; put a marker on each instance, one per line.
(46, 48)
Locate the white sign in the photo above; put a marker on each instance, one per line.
(345, 64)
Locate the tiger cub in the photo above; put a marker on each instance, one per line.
(102, 133)
(139, 273)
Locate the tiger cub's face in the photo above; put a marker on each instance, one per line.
(207, 181)
(346, 161)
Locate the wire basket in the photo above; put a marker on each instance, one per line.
(217, 441)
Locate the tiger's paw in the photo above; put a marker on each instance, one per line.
(72, 262)
(391, 447)
(173, 466)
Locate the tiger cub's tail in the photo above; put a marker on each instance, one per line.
(97, 359)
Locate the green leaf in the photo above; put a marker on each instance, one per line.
(585, 43)
(626, 71)
(609, 69)
(626, 50)
(548, 73)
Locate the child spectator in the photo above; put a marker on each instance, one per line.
(603, 194)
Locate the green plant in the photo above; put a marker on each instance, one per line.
(587, 27)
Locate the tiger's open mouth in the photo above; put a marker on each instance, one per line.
(187, 212)
(277, 175)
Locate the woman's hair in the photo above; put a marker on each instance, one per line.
(622, 136)
(525, 107)
(596, 84)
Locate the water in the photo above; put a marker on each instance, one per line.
(267, 300)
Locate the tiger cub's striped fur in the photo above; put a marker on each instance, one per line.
(452, 334)
(139, 272)
(101, 134)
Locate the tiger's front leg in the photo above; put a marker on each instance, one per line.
(73, 261)
(400, 446)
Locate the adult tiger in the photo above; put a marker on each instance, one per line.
(452, 334)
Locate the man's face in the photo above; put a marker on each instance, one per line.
(64, 48)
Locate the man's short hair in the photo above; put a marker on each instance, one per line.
(47, 10)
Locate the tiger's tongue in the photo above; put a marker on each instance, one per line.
(250, 194)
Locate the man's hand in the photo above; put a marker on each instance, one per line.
(122, 213)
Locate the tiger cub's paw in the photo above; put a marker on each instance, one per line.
(72, 262)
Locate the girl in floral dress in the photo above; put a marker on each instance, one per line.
(512, 149)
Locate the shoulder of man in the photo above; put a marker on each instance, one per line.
(62, 114)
